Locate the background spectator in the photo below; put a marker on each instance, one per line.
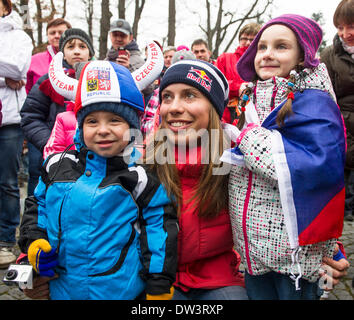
(339, 59)
(226, 62)
(39, 67)
(15, 57)
(201, 50)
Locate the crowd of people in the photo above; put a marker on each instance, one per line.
(245, 158)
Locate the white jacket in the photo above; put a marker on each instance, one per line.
(15, 58)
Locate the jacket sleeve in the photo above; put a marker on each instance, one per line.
(326, 55)
(15, 59)
(33, 223)
(29, 82)
(34, 113)
(158, 238)
(57, 140)
(227, 65)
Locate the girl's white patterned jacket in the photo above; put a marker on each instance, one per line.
(259, 230)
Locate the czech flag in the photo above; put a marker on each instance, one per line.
(309, 155)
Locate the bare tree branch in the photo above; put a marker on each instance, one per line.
(64, 9)
(139, 7)
(217, 32)
(104, 28)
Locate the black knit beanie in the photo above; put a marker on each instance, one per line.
(75, 33)
(202, 75)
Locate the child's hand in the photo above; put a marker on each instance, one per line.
(333, 271)
(164, 296)
(42, 257)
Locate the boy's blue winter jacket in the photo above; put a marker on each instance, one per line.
(113, 225)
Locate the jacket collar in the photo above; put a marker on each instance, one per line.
(189, 163)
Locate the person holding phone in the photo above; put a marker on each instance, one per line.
(125, 51)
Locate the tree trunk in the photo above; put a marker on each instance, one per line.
(171, 36)
(138, 11)
(39, 23)
(64, 9)
(121, 9)
(89, 16)
(104, 28)
(40, 19)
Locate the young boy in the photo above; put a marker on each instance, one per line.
(105, 226)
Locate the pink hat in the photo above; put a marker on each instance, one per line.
(182, 47)
(308, 34)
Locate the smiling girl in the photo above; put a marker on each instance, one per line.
(286, 189)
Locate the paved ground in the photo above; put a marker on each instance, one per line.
(343, 291)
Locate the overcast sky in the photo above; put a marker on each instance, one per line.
(307, 7)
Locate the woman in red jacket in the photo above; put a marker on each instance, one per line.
(193, 95)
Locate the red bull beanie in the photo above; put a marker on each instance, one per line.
(202, 75)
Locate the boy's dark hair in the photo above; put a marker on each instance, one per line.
(344, 13)
(58, 22)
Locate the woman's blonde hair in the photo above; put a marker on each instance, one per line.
(211, 193)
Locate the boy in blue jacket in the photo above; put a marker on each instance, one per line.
(103, 224)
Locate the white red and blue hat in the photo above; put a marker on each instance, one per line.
(107, 86)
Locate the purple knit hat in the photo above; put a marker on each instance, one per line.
(308, 34)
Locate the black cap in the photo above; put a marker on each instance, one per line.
(122, 26)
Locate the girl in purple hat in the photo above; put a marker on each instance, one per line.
(286, 187)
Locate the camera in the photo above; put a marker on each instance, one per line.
(20, 274)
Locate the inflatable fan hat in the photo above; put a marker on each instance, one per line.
(107, 86)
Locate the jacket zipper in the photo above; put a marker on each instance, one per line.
(18, 102)
(244, 221)
(59, 224)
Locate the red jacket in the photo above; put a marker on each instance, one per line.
(206, 258)
(227, 62)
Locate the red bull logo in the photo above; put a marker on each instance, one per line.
(200, 77)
